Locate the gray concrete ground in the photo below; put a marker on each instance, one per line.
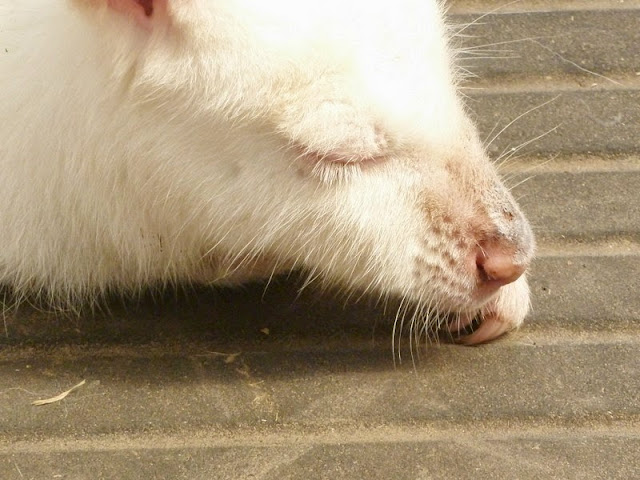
(192, 385)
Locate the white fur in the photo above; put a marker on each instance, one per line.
(239, 138)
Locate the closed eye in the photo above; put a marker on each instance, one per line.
(334, 166)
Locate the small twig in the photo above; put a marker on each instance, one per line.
(57, 398)
(18, 469)
(228, 357)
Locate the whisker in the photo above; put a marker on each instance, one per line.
(574, 64)
(508, 154)
(533, 109)
(477, 20)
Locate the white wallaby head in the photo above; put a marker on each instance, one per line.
(218, 141)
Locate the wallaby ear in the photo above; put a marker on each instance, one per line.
(145, 12)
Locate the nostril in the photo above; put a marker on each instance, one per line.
(497, 267)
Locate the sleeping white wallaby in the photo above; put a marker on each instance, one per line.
(217, 141)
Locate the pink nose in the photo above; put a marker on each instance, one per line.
(496, 265)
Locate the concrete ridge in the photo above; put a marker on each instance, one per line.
(533, 336)
(535, 165)
(336, 435)
(605, 246)
(504, 7)
(551, 84)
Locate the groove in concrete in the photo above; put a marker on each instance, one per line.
(518, 6)
(297, 435)
(461, 458)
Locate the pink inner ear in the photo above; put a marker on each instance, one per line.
(147, 6)
(145, 12)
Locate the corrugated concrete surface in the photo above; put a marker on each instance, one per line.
(258, 384)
